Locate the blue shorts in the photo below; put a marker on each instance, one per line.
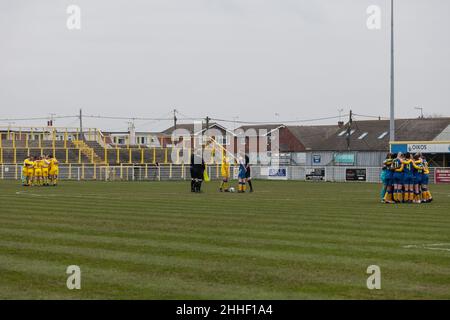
(408, 179)
(389, 178)
(398, 178)
(424, 179)
(241, 174)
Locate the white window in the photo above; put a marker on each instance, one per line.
(363, 135)
(140, 140)
(384, 134)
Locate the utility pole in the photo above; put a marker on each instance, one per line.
(349, 129)
(50, 123)
(207, 122)
(81, 124)
(175, 119)
(131, 132)
(392, 102)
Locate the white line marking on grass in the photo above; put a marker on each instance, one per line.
(430, 246)
(277, 199)
(28, 193)
(86, 195)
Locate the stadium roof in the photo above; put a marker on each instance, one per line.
(373, 135)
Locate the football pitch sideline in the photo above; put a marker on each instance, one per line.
(157, 240)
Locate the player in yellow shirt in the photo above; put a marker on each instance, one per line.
(426, 194)
(54, 170)
(225, 172)
(24, 173)
(28, 171)
(45, 170)
(38, 171)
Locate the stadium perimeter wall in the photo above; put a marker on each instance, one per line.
(181, 172)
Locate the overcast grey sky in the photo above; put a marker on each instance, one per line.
(223, 58)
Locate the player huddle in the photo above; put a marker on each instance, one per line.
(40, 171)
(405, 179)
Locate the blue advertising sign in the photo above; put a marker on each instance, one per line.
(316, 159)
(277, 173)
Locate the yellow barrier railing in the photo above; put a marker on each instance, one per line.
(81, 153)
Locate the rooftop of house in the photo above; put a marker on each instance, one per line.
(311, 136)
(373, 135)
(190, 127)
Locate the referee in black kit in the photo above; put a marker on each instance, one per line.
(197, 169)
(248, 176)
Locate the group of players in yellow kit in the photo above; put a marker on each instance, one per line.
(405, 179)
(40, 171)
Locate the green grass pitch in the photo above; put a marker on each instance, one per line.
(156, 240)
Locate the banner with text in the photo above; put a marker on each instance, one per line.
(442, 176)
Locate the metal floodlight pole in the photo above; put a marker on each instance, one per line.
(81, 123)
(392, 102)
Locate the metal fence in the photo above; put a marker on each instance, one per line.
(149, 172)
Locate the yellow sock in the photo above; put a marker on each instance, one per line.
(411, 196)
